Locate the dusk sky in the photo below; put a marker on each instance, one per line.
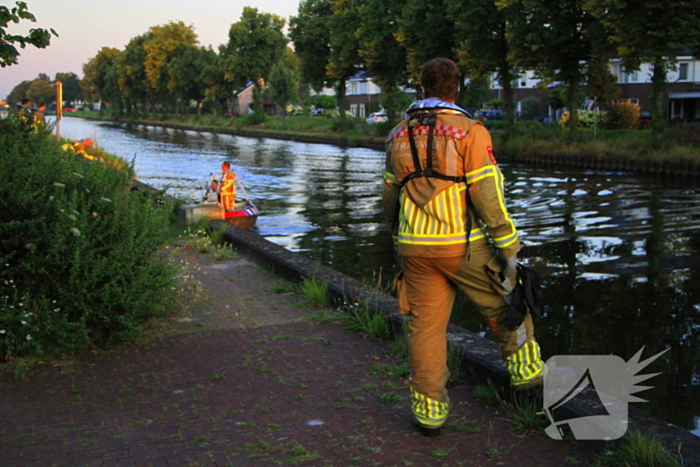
(85, 26)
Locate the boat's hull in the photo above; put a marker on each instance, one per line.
(245, 215)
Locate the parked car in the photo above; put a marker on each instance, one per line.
(318, 111)
(69, 109)
(377, 117)
(490, 115)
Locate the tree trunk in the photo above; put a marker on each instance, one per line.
(390, 105)
(506, 79)
(573, 108)
(341, 100)
(658, 100)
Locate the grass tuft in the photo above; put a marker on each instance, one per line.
(316, 292)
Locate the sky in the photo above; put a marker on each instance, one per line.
(85, 26)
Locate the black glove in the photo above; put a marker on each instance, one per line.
(526, 296)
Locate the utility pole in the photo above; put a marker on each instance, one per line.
(59, 108)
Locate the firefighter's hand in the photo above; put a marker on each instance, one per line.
(508, 272)
(510, 267)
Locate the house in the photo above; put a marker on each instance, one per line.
(243, 100)
(683, 87)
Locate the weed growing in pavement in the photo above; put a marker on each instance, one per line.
(358, 317)
(386, 399)
(316, 292)
(486, 394)
(442, 452)
(454, 364)
(494, 453)
(299, 453)
(466, 427)
(402, 370)
(283, 287)
(217, 377)
(639, 450)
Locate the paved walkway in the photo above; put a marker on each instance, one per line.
(248, 379)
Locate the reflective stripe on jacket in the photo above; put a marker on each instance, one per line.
(432, 217)
(228, 184)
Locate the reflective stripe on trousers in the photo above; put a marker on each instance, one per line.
(525, 364)
(428, 412)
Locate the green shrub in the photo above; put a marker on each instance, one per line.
(531, 107)
(623, 116)
(78, 250)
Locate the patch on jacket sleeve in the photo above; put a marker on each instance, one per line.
(489, 149)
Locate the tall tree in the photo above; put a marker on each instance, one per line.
(425, 33)
(42, 90)
(216, 87)
(131, 72)
(186, 80)
(72, 92)
(383, 55)
(284, 85)
(344, 60)
(95, 84)
(311, 34)
(161, 47)
(651, 34)
(19, 92)
(553, 37)
(39, 38)
(256, 43)
(482, 45)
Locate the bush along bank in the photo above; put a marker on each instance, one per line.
(78, 249)
(528, 142)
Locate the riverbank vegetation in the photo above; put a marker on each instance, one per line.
(527, 141)
(79, 262)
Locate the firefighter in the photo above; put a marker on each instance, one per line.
(444, 204)
(227, 187)
(80, 147)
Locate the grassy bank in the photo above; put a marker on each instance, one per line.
(80, 265)
(528, 142)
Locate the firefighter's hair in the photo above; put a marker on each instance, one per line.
(440, 78)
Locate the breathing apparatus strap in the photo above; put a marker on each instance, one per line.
(428, 172)
(430, 120)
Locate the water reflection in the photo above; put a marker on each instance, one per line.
(618, 254)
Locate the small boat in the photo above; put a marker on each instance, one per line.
(244, 213)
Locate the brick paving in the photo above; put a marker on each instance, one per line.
(248, 379)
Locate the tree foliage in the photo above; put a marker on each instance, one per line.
(426, 33)
(39, 38)
(96, 84)
(482, 44)
(256, 43)
(650, 34)
(72, 90)
(382, 54)
(312, 41)
(161, 47)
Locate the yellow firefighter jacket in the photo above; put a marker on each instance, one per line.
(429, 217)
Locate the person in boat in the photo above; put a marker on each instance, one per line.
(214, 188)
(444, 204)
(227, 187)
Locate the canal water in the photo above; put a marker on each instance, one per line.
(619, 254)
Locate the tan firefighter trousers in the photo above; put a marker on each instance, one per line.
(427, 292)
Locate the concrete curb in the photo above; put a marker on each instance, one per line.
(481, 357)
